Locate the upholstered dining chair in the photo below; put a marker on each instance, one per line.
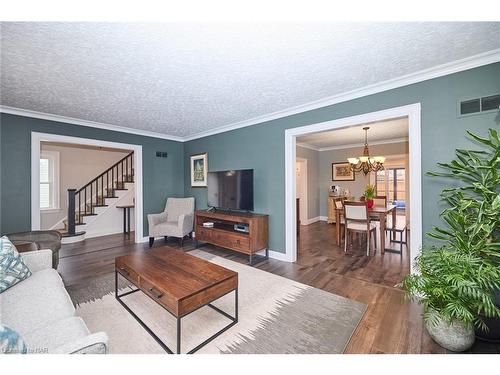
(357, 220)
(176, 220)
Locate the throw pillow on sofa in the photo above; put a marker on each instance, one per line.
(10, 341)
(12, 267)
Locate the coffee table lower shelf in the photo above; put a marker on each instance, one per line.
(234, 319)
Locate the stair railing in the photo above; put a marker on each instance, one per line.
(82, 202)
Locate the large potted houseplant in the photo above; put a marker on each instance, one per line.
(457, 281)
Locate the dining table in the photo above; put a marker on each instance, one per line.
(378, 212)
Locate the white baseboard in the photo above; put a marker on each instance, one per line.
(146, 239)
(272, 254)
(312, 220)
(323, 218)
(106, 233)
(279, 256)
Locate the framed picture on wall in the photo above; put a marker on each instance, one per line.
(199, 169)
(342, 172)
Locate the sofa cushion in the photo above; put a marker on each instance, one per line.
(36, 302)
(12, 267)
(54, 335)
(10, 341)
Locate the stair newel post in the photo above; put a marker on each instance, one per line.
(126, 167)
(91, 195)
(132, 165)
(102, 190)
(79, 206)
(71, 211)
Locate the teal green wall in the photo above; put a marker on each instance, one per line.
(162, 177)
(262, 148)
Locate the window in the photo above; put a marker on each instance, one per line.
(391, 183)
(49, 180)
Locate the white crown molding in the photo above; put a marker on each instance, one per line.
(92, 124)
(467, 63)
(351, 145)
(356, 145)
(307, 145)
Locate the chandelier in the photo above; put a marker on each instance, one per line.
(366, 163)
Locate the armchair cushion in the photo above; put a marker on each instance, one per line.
(175, 207)
(155, 219)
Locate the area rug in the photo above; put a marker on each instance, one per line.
(276, 316)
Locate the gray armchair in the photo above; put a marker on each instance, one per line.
(176, 221)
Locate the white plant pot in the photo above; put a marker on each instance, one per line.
(456, 336)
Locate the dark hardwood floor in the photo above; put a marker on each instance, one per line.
(390, 325)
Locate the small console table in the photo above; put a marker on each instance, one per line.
(126, 217)
(224, 234)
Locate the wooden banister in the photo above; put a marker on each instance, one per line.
(78, 206)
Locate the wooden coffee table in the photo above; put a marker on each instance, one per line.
(180, 283)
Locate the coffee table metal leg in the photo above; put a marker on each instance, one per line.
(234, 320)
(178, 335)
(236, 305)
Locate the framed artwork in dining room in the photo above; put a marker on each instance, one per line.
(342, 172)
(199, 170)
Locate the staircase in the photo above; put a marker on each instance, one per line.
(96, 197)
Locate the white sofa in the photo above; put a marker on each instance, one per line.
(40, 310)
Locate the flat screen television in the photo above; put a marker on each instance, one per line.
(231, 190)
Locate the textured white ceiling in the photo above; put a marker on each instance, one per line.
(382, 131)
(182, 79)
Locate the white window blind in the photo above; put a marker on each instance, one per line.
(49, 180)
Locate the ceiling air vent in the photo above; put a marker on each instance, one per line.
(486, 103)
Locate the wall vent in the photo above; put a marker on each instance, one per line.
(486, 103)
(490, 102)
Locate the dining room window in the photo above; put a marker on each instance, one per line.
(391, 182)
(49, 180)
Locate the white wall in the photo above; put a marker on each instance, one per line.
(78, 165)
(110, 221)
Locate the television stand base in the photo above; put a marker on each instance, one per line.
(253, 241)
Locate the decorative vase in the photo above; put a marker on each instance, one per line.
(369, 203)
(456, 336)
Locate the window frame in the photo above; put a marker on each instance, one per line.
(390, 170)
(54, 178)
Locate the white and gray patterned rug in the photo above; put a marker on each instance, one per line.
(276, 316)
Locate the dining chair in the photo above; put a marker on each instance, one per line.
(357, 220)
(339, 206)
(402, 226)
(379, 201)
